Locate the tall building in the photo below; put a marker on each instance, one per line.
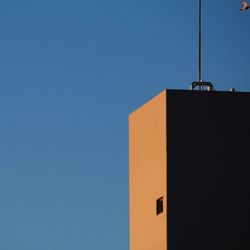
(189, 157)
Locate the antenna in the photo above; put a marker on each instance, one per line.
(200, 83)
(199, 43)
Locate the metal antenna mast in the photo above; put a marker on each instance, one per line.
(200, 83)
(199, 44)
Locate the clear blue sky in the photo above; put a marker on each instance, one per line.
(70, 73)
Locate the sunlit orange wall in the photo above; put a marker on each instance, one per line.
(147, 175)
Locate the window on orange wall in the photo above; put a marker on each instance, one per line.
(159, 205)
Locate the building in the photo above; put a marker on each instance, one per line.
(189, 157)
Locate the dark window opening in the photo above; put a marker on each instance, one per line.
(159, 205)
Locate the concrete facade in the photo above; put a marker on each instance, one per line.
(193, 149)
(147, 128)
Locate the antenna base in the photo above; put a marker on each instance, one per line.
(208, 86)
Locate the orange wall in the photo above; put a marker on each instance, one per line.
(147, 175)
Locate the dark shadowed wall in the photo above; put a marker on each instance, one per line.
(208, 161)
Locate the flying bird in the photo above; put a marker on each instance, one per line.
(245, 6)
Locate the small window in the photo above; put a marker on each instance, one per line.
(159, 205)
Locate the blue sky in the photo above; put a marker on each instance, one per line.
(70, 73)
